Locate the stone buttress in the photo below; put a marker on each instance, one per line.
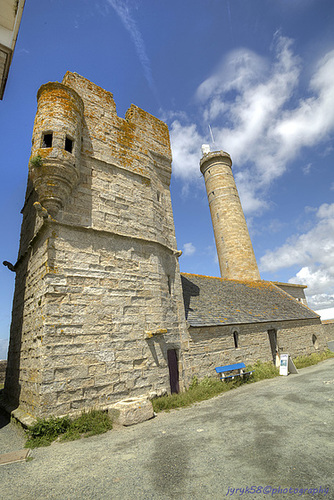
(98, 306)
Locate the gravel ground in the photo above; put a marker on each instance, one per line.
(276, 433)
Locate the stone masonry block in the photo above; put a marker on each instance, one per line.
(131, 411)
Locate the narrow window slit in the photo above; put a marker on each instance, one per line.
(68, 144)
(169, 285)
(235, 338)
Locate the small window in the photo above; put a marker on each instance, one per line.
(68, 144)
(217, 216)
(315, 342)
(236, 339)
(158, 196)
(47, 140)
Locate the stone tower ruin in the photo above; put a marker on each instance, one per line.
(98, 312)
(101, 312)
(234, 247)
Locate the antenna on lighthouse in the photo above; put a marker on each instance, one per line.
(212, 138)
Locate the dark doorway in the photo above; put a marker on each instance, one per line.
(173, 371)
(272, 334)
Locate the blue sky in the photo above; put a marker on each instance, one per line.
(260, 73)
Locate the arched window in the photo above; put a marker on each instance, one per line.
(315, 342)
(236, 339)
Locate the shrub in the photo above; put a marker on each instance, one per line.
(36, 161)
(198, 391)
(88, 424)
(312, 359)
(262, 370)
(211, 386)
(47, 430)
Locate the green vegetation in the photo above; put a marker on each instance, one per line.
(262, 371)
(198, 391)
(65, 429)
(312, 359)
(2, 386)
(97, 422)
(210, 387)
(36, 161)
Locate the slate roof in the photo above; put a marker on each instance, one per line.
(210, 301)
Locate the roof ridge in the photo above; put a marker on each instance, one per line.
(293, 298)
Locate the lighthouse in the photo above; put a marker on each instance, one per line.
(234, 247)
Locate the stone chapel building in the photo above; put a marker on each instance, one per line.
(101, 311)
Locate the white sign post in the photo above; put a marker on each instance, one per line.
(286, 365)
(283, 367)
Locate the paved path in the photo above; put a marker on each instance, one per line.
(276, 433)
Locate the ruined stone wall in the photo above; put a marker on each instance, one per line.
(125, 169)
(24, 368)
(328, 327)
(296, 291)
(98, 298)
(98, 315)
(3, 365)
(214, 346)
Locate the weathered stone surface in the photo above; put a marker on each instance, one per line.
(14, 456)
(3, 366)
(328, 327)
(98, 301)
(214, 346)
(132, 411)
(99, 273)
(234, 247)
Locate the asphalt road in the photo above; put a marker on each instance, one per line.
(276, 433)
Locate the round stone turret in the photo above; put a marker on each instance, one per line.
(56, 145)
(234, 247)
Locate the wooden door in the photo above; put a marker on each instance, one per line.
(173, 370)
(272, 334)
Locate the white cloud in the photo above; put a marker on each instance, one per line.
(248, 103)
(188, 249)
(314, 251)
(307, 169)
(123, 9)
(186, 142)
(313, 120)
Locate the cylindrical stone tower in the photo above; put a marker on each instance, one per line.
(56, 145)
(234, 247)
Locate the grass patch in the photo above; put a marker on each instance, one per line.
(45, 431)
(198, 391)
(210, 387)
(312, 359)
(262, 371)
(88, 424)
